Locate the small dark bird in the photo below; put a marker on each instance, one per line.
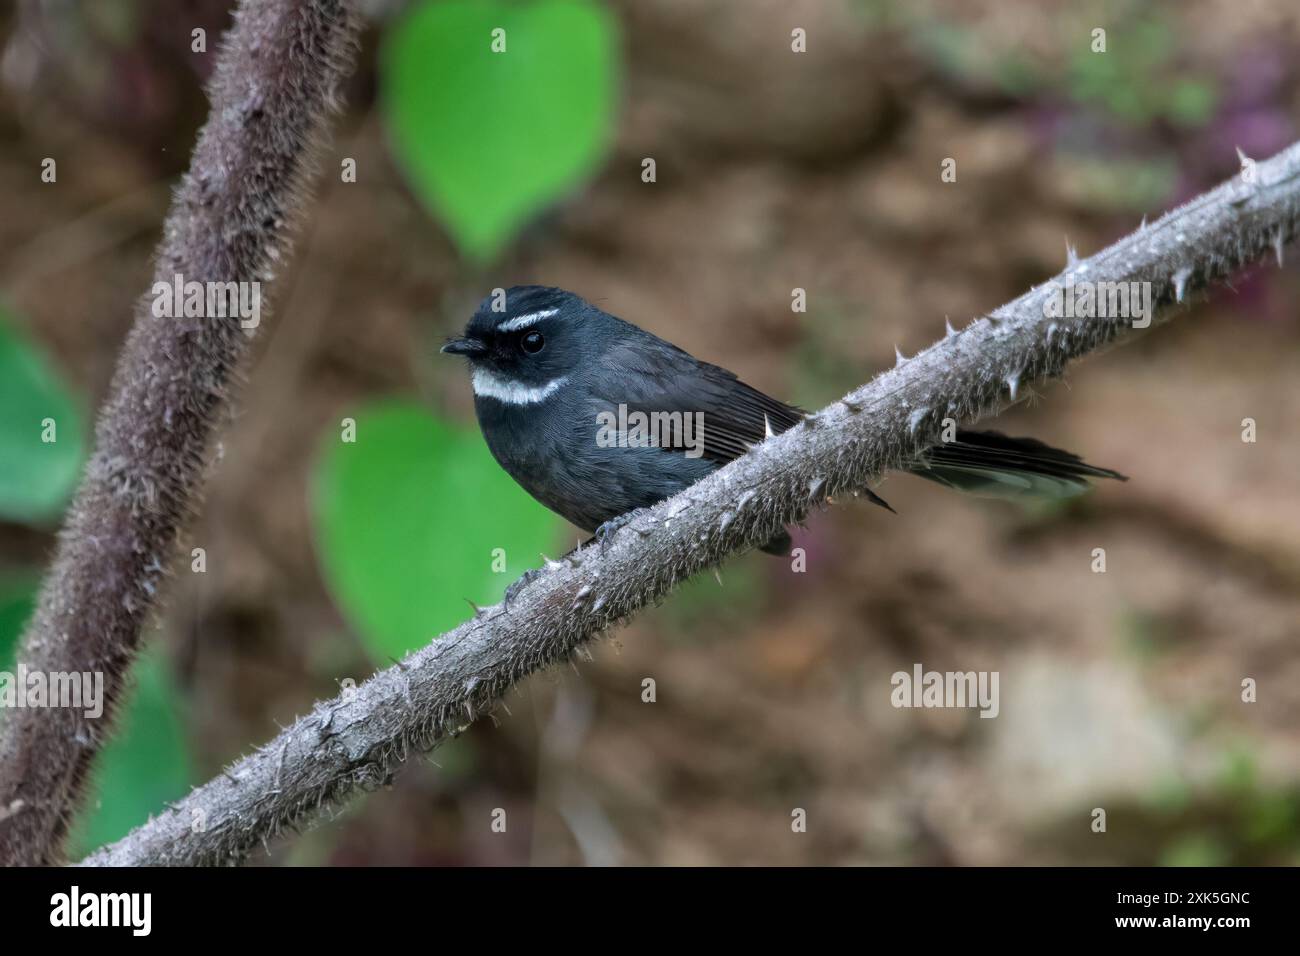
(597, 418)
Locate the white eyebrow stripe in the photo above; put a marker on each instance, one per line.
(489, 385)
(523, 321)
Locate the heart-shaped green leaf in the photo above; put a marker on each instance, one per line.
(42, 438)
(497, 109)
(412, 519)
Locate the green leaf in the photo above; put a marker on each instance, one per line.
(144, 766)
(37, 476)
(1195, 849)
(1192, 102)
(17, 601)
(489, 139)
(407, 521)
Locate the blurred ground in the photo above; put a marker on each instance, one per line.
(1119, 690)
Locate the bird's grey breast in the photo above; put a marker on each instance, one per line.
(557, 451)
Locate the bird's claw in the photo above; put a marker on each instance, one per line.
(605, 533)
(524, 580)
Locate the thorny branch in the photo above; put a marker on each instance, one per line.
(358, 739)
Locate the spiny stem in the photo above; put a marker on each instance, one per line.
(966, 374)
(274, 85)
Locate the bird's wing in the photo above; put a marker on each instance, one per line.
(656, 376)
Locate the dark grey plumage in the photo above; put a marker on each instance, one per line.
(540, 413)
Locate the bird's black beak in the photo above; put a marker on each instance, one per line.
(467, 347)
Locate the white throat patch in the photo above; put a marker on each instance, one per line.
(488, 385)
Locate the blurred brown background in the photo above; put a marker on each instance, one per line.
(1119, 690)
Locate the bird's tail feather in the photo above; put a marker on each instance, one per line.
(995, 465)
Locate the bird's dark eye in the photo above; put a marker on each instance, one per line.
(532, 343)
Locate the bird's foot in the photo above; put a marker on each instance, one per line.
(524, 580)
(605, 533)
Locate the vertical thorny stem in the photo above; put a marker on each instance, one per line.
(274, 87)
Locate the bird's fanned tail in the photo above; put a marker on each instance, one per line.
(991, 464)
